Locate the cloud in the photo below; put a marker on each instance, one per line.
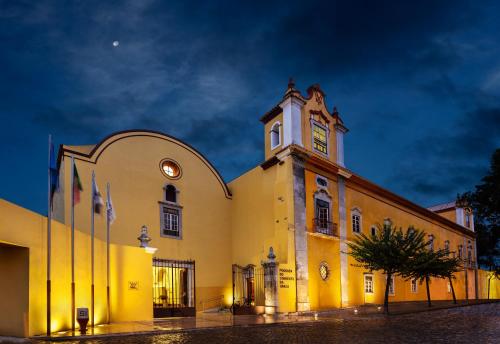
(439, 165)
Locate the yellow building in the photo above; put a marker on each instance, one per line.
(213, 239)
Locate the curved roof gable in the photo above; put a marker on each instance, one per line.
(92, 155)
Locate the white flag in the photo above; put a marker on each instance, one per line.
(110, 210)
(98, 201)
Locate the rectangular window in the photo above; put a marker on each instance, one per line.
(413, 285)
(356, 223)
(369, 284)
(391, 286)
(171, 221)
(319, 139)
(467, 220)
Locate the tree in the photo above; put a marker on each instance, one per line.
(428, 263)
(485, 202)
(389, 250)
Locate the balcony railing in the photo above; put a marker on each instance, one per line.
(325, 227)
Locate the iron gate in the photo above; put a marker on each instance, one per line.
(173, 288)
(248, 289)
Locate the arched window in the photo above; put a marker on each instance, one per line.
(467, 218)
(171, 194)
(356, 220)
(171, 214)
(275, 135)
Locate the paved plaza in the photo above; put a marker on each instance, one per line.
(469, 324)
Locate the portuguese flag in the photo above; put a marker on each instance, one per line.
(77, 186)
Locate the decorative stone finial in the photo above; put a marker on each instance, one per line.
(335, 112)
(271, 256)
(291, 83)
(144, 238)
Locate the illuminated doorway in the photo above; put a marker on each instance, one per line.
(173, 288)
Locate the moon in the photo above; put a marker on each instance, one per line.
(116, 43)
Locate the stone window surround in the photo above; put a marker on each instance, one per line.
(171, 205)
(323, 195)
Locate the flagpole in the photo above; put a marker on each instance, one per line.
(107, 255)
(72, 243)
(49, 235)
(92, 204)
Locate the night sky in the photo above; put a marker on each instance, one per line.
(416, 82)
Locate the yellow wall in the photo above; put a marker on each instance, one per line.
(24, 228)
(450, 214)
(130, 163)
(374, 209)
(262, 216)
(14, 290)
(324, 294)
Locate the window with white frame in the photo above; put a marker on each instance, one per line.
(447, 247)
(322, 221)
(431, 242)
(320, 138)
(275, 135)
(356, 220)
(460, 251)
(170, 214)
(391, 286)
(368, 284)
(414, 285)
(373, 230)
(171, 221)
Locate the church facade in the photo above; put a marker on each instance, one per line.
(209, 242)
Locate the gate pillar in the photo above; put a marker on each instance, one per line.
(271, 283)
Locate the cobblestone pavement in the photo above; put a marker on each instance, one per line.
(474, 324)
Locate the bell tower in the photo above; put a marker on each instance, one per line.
(304, 121)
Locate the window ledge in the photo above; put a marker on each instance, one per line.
(170, 236)
(171, 204)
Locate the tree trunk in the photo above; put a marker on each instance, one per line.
(386, 297)
(428, 291)
(452, 290)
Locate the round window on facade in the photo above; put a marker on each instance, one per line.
(170, 169)
(324, 271)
